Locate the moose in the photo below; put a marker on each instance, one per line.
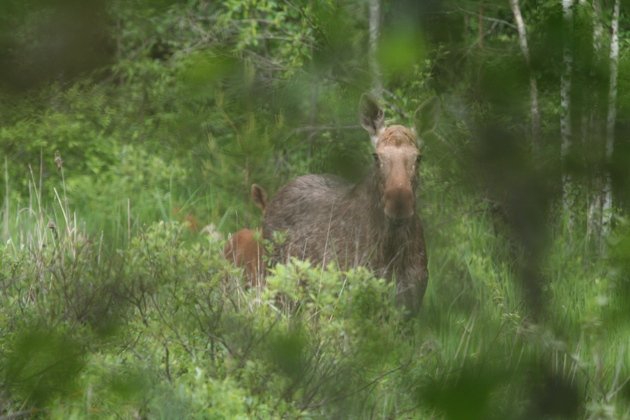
(374, 223)
(243, 247)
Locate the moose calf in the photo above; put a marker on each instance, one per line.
(243, 247)
(373, 223)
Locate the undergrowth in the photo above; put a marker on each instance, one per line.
(163, 326)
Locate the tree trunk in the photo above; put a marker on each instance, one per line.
(533, 86)
(374, 27)
(598, 28)
(568, 198)
(607, 205)
(5, 214)
(480, 25)
(595, 199)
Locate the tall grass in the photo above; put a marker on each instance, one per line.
(164, 325)
(476, 309)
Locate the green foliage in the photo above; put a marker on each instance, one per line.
(400, 49)
(184, 338)
(41, 364)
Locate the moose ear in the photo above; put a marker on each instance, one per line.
(259, 196)
(427, 115)
(371, 116)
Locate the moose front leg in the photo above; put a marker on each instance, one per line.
(411, 285)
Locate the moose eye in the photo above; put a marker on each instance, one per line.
(376, 158)
(418, 159)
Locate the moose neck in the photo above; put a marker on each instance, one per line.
(392, 234)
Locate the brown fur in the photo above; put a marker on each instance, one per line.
(188, 219)
(397, 136)
(244, 249)
(373, 223)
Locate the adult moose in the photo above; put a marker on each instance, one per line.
(373, 223)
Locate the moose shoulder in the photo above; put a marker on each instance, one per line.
(373, 223)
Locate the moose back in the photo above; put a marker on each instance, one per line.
(373, 223)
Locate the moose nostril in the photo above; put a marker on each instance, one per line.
(399, 203)
(399, 194)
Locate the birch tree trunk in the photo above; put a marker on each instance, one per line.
(568, 199)
(607, 205)
(480, 28)
(595, 200)
(533, 86)
(374, 28)
(598, 28)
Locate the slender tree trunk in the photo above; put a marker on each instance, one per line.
(595, 199)
(533, 86)
(598, 28)
(607, 205)
(5, 214)
(568, 199)
(480, 25)
(374, 26)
